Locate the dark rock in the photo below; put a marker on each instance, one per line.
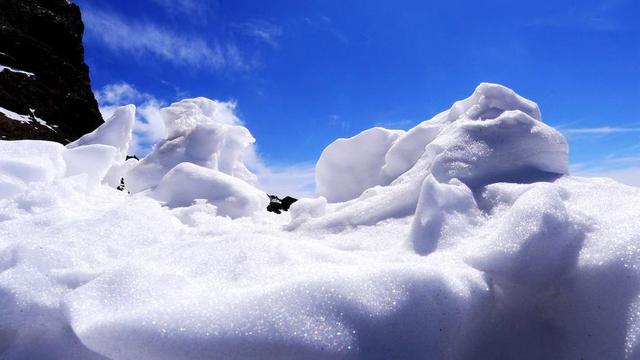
(277, 205)
(44, 37)
(122, 186)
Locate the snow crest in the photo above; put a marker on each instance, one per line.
(462, 238)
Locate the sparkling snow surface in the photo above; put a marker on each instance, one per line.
(463, 238)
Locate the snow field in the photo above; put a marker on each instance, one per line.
(463, 238)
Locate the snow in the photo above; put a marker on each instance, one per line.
(200, 131)
(116, 131)
(93, 160)
(305, 209)
(25, 118)
(231, 196)
(504, 144)
(10, 69)
(472, 242)
(347, 167)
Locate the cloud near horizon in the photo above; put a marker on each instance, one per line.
(604, 130)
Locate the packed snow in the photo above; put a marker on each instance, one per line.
(462, 238)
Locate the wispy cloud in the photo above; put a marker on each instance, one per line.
(195, 8)
(147, 39)
(600, 17)
(261, 30)
(605, 130)
(337, 121)
(325, 24)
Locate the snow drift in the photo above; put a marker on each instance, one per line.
(463, 238)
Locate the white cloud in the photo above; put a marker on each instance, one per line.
(147, 39)
(119, 93)
(629, 176)
(605, 130)
(622, 168)
(297, 180)
(261, 30)
(188, 7)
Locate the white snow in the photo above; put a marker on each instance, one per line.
(231, 196)
(116, 131)
(472, 242)
(94, 160)
(200, 131)
(7, 68)
(25, 118)
(347, 167)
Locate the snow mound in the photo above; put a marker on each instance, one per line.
(201, 131)
(116, 131)
(349, 166)
(92, 160)
(231, 196)
(493, 136)
(305, 209)
(182, 117)
(469, 245)
(27, 161)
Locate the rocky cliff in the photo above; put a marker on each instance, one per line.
(45, 90)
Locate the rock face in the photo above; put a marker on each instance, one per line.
(45, 90)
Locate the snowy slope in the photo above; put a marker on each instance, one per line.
(463, 238)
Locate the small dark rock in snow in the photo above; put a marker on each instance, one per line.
(277, 205)
(122, 186)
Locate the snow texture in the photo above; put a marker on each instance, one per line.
(472, 242)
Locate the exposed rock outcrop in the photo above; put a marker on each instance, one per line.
(45, 90)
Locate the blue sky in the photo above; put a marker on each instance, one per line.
(306, 72)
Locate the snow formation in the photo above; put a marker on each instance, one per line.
(462, 238)
(200, 131)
